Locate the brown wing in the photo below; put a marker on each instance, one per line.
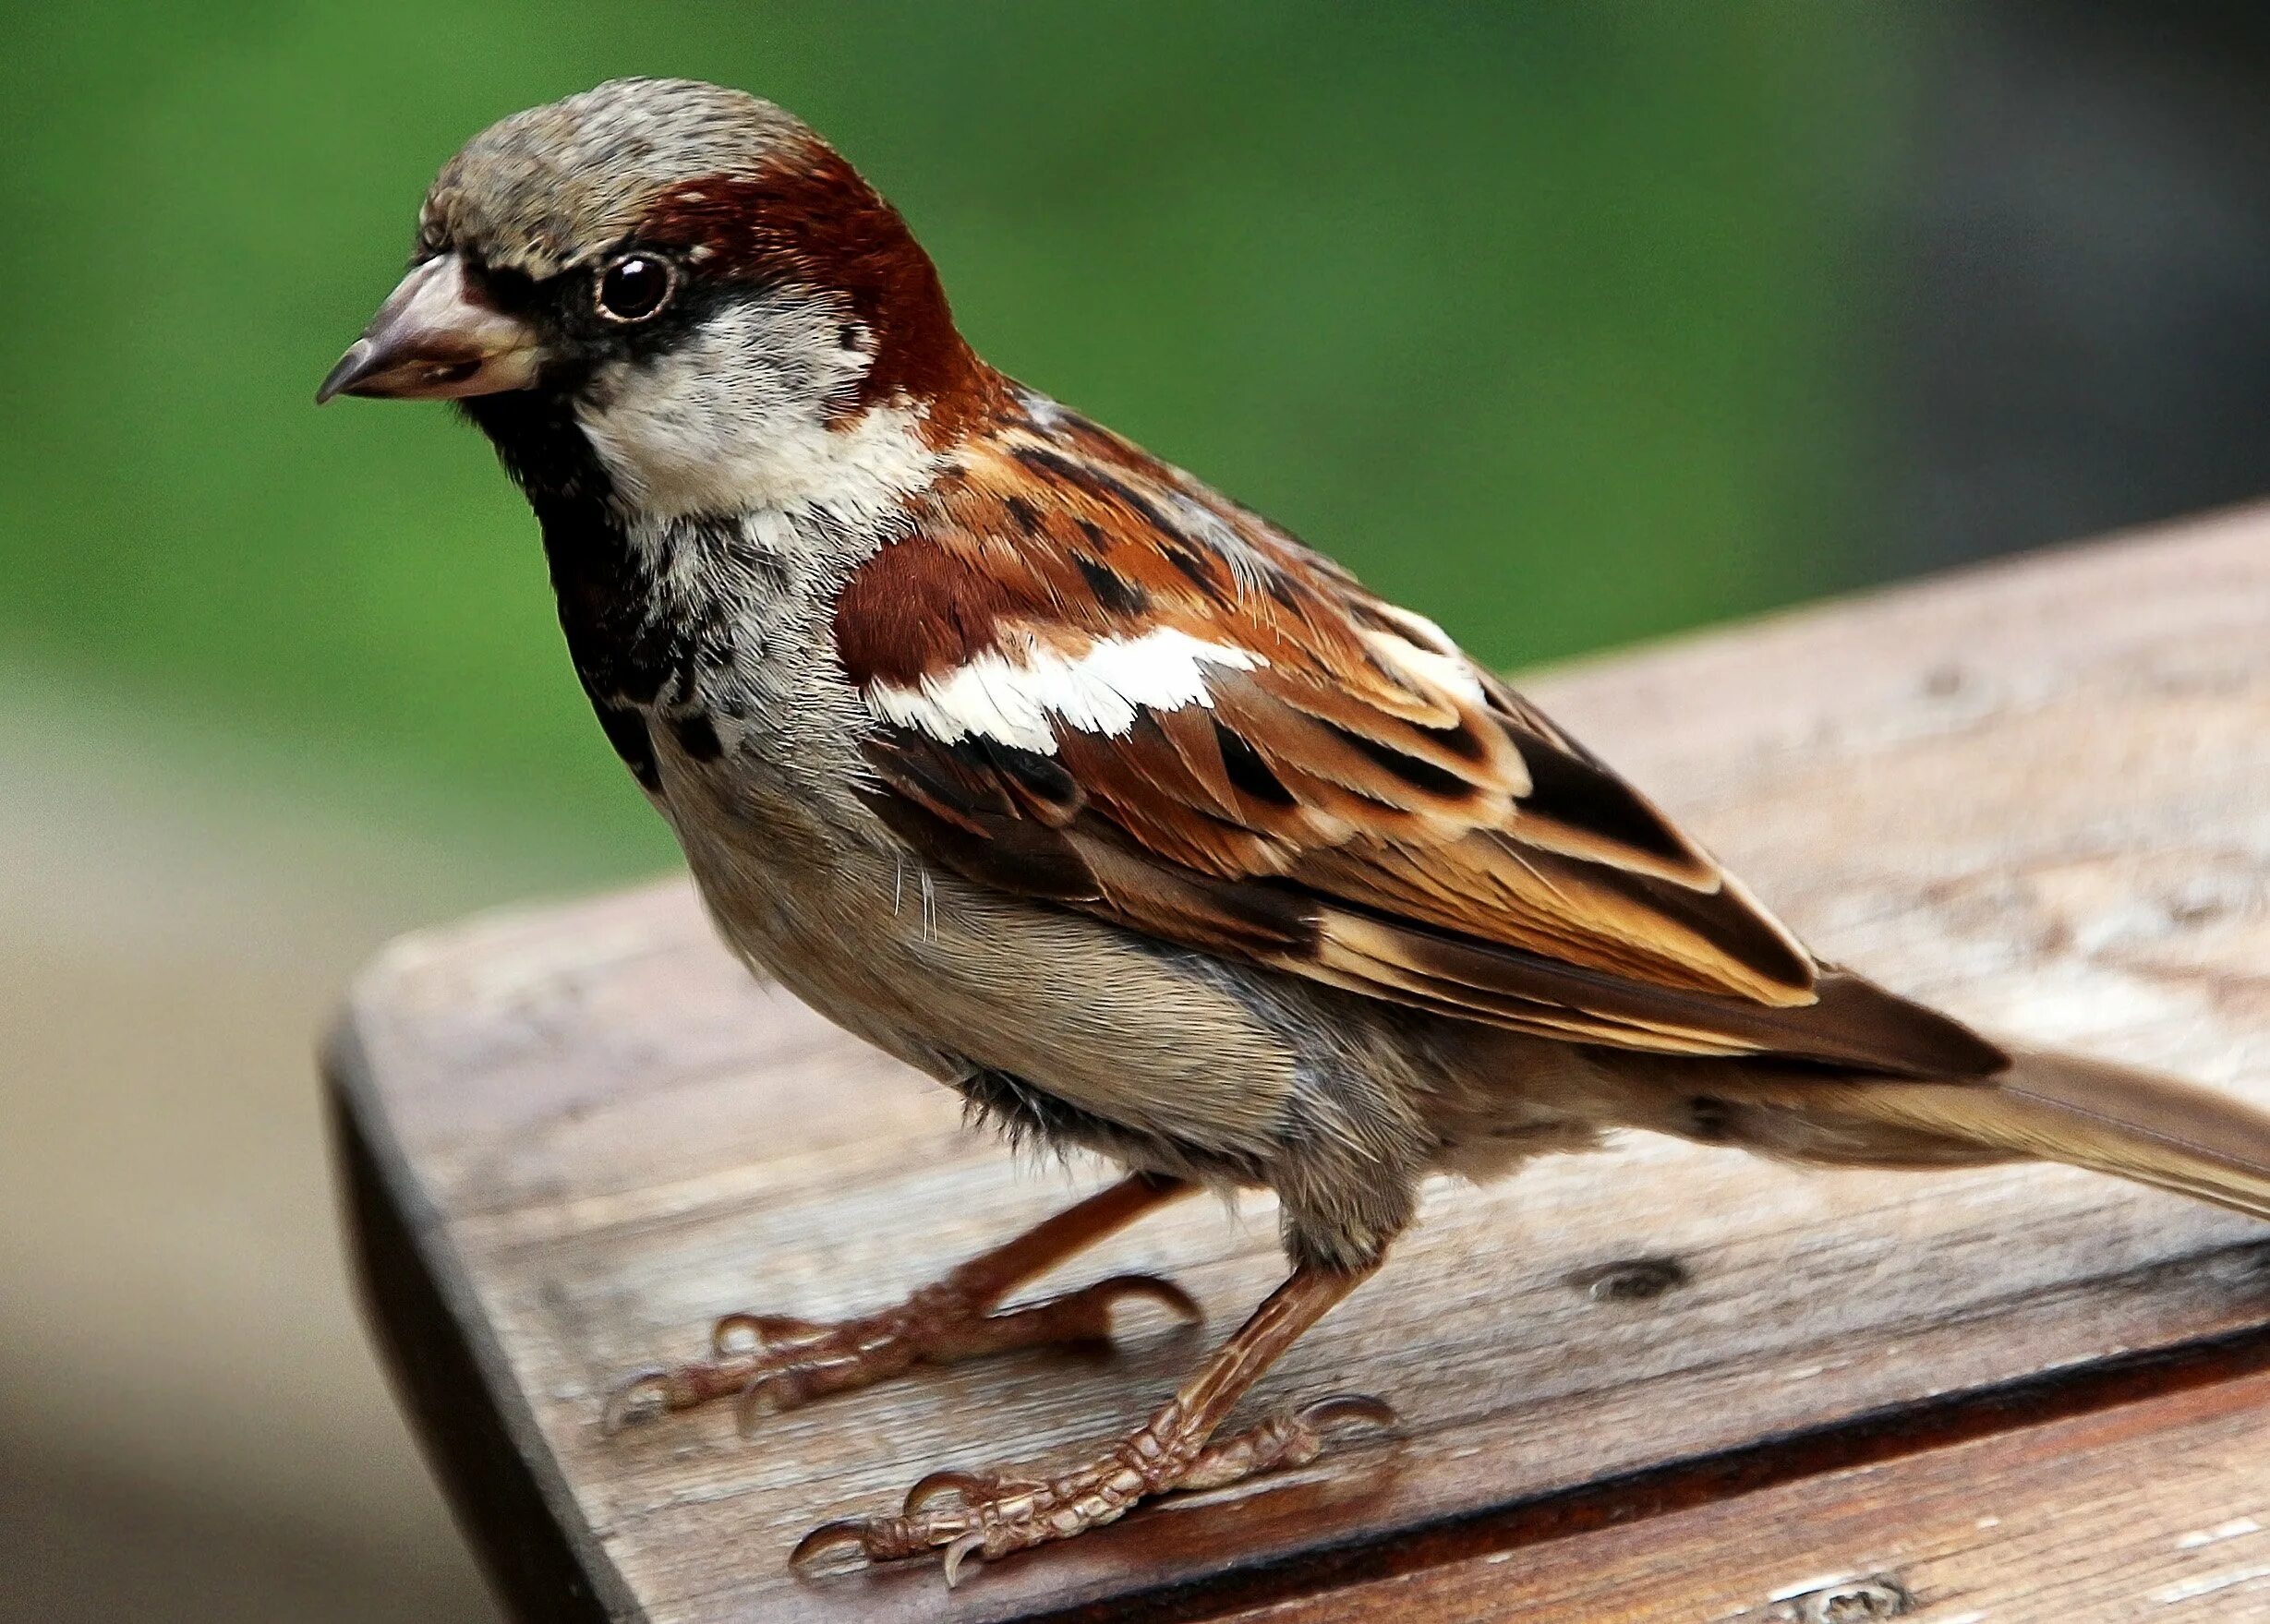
(1099, 684)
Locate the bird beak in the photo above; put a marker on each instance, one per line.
(436, 337)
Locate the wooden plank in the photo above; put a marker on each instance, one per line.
(2152, 1510)
(2039, 794)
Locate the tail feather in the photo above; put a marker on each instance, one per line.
(2137, 1124)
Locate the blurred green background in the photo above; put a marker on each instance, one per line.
(1539, 318)
(1569, 323)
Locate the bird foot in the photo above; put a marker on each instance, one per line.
(773, 1362)
(994, 1513)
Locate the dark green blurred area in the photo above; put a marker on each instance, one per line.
(1568, 321)
(1553, 322)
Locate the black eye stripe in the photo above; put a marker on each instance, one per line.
(634, 286)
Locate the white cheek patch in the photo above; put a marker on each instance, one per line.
(1017, 697)
(732, 420)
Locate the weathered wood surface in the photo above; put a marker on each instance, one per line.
(2159, 1509)
(2038, 794)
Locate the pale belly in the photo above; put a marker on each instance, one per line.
(952, 979)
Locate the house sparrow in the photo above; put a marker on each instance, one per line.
(1041, 766)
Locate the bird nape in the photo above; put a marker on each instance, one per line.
(1048, 769)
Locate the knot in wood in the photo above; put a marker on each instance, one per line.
(1852, 1601)
(1632, 1280)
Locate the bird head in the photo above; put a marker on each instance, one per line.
(689, 279)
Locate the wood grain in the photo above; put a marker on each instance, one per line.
(2156, 1508)
(2038, 794)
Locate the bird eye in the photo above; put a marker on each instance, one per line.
(635, 287)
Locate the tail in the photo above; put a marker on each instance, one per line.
(2138, 1124)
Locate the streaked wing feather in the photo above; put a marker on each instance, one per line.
(1322, 783)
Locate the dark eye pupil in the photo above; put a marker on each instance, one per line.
(633, 287)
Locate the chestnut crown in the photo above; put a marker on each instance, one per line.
(613, 227)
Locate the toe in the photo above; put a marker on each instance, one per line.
(1125, 1288)
(769, 1390)
(1339, 1407)
(1289, 1438)
(739, 1336)
(973, 1487)
(639, 1397)
(844, 1531)
(968, 1484)
(968, 1546)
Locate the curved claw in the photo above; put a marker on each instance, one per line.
(639, 1397)
(969, 1545)
(843, 1530)
(968, 1485)
(1339, 1407)
(1156, 1288)
(737, 1336)
(750, 1405)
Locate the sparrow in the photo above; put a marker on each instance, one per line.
(1041, 766)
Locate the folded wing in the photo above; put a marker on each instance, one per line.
(1095, 682)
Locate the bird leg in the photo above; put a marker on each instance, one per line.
(778, 1362)
(998, 1512)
